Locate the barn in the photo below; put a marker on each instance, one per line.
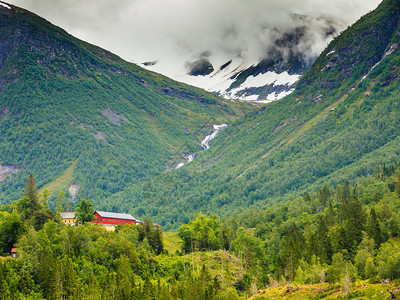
(113, 219)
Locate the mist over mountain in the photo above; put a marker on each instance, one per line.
(289, 51)
(176, 34)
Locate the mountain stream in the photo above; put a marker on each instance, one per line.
(205, 144)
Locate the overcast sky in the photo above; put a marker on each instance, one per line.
(144, 30)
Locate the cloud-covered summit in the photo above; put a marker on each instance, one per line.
(145, 30)
(177, 33)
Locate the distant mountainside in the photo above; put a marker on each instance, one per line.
(342, 120)
(81, 119)
(269, 78)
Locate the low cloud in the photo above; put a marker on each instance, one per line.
(148, 30)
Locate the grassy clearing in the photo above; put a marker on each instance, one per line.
(360, 290)
(61, 182)
(172, 242)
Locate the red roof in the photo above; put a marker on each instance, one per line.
(14, 250)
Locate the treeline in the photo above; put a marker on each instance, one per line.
(333, 235)
(58, 261)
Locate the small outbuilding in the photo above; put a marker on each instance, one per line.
(14, 253)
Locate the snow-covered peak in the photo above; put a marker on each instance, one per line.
(224, 80)
(269, 76)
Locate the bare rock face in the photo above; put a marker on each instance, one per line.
(113, 117)
(200, 67)
(7, 170)
(73, 190)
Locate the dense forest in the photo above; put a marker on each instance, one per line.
(338, 235)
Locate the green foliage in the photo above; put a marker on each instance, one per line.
(122, 127)
(202, 234)
(10, 230)
(84, 211)
(338, 125)
(130, 125)
(29, 203)
(59, 201)
(153, 234)
(286, 242)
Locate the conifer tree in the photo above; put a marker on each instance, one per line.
(31, 191)
(373, 228)
(324, 247)
(29, 203)
(293, 246)
(84, 211)
(59, 201)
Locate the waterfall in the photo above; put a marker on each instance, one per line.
(205, 144)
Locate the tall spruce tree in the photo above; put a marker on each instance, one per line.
(31, 192)
(29, 203)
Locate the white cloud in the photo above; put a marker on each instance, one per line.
(144, 30)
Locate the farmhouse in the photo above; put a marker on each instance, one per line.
(68, 217)
(113, 219)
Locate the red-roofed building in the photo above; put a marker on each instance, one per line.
(14, 252)
(113, 219)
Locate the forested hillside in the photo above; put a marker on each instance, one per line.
(81, 119)
(340, 123)
(338, 241)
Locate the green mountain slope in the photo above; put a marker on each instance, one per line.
(341, 121)
(72, 113)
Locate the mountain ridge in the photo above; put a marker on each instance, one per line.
(65, 100)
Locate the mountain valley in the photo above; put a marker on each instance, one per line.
(294, 199)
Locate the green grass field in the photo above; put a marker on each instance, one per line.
(172, 242)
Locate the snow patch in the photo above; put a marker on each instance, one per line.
(5, 5)
(270, 77)
(331, 53)
(272, 97)
(221, 79)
